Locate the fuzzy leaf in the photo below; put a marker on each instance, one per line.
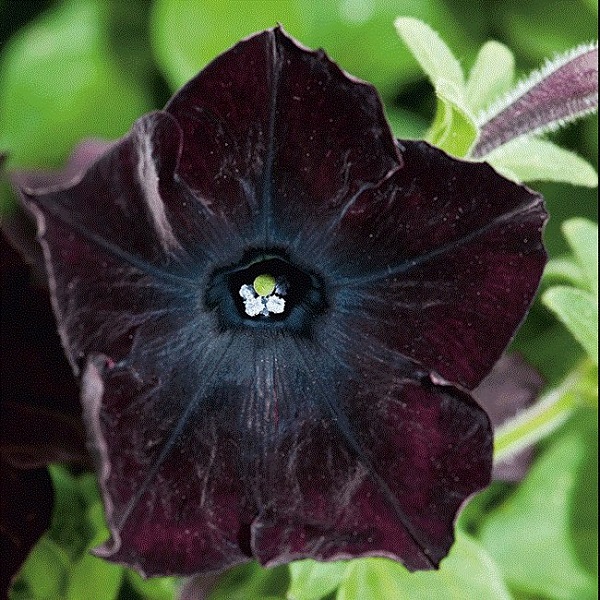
(564, 270)
(432, 53)
(582, 236)
(578, 310)
(533, 159)
(491, 76)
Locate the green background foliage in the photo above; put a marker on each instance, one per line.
(71, 69)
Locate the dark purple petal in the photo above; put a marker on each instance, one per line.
(25, 512)
(445, 258)
(564, 90)
(378, 467)
(274, 131)
(510, 387)
(330, 429)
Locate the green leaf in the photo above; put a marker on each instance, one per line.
(564, 270)
(157, 588)
(534, 159)
(312, 580)
(492, 76)
(92, 577)
(467, 572)
(453, 129)
(70, 528)
(529, 535)
(578, 310)
(582, 236)
(432, 53)
(250, 581)
(405, 124)
(44, 573)
(59, 84)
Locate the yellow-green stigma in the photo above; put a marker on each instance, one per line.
(264, 284)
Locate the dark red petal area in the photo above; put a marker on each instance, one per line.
(422, 450)
(379, 466)
(445, 257)
(273, 132)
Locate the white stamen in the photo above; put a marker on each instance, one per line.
(255, 305)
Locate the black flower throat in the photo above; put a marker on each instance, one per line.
(304, 297)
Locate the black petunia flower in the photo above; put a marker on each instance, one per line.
(276, 311)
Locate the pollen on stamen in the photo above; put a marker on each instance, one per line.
(263, 297)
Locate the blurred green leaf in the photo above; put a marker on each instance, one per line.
(453, 128)
(92, 577)
(58, 84)
(157, 588)
(582, 236)
(492, 76)
(312, 580)
(467, 572)
(578, 310)
(529, 535)
(405, 124)
(534, 159)
(188, 34)
(432, 53)
(44, 574)
(249, 581)
(70, 528)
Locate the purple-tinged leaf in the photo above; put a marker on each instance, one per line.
(336, 422)
(565, 89)
(510, 387)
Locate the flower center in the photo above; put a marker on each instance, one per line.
(266, 290)
(264, 296)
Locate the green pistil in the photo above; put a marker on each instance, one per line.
(264, 285)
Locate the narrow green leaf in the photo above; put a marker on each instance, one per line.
(431, 52)
(312, 580)
(453, 129)
(578, 310)
(467, 572)
(582, 236)
(492, 76)
(529, 534)
(534, 159)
